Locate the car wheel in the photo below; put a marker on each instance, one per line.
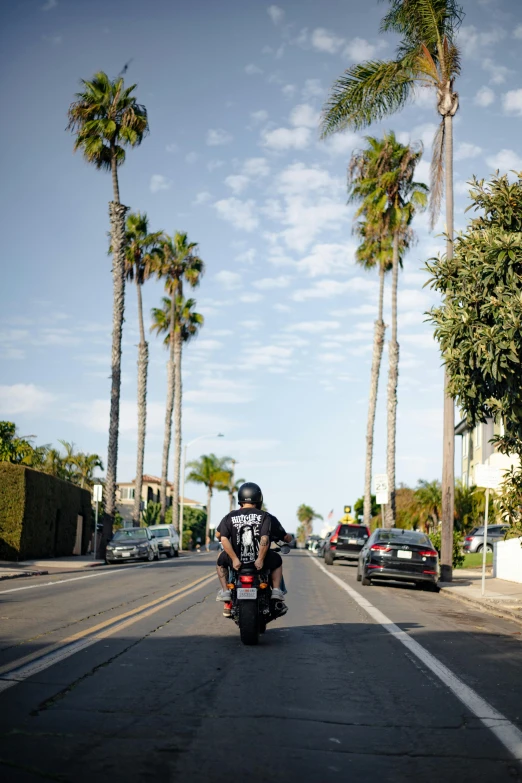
(176, 553)
(428, 587)
(157, 555)
(150, 556)
(109, 562)
(328, 558)
(169, 553)
(365, 581)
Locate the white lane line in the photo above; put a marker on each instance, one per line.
(117, 571)
(505, 731)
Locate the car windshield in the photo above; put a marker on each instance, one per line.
(353, 531)
(404, 537)
(131, 532)
(161, 532)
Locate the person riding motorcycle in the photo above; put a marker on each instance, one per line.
(246, 538)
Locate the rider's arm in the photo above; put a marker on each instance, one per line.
(227, 546)
(264, 545)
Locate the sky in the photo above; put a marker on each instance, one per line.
(233, 92)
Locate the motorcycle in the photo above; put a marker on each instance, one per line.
(252, 604)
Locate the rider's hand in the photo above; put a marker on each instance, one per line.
(236, 564)
(259, 564)
(288, 538)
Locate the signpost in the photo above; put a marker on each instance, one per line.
(96, 496)
(380, 482)
(488, 478)
(347, 509)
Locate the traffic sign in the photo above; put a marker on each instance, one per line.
(382, 498)
(347, 509)
(97, 492)
(380, 483)
(487, 476)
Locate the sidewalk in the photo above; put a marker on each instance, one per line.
(51, 565)
(500, 597)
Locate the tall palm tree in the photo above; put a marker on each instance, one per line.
(306, 516)
(212, 472)
(86, 464)
(142, 256)
(427, 56)
(382, 178)
(106, 118)
(180, 262)
(231, 486)
(428, 498)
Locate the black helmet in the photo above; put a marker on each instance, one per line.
(250, 493)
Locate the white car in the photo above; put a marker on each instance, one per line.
(166, 538)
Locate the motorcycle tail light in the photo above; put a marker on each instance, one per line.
(263, 585)
(231, 586)
(246, 580)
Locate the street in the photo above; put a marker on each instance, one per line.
(144, 679)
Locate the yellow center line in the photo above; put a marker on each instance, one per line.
(104, 628)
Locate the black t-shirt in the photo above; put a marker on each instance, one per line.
(244, 529)
(277, 531)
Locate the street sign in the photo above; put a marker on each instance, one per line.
(380, 483)
(347, 509)
(382, 498)
(97, 492)
(487, 476)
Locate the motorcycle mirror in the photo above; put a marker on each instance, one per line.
(285, 549)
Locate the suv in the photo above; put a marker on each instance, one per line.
(345, 543)
(166, 538)
(474, 541)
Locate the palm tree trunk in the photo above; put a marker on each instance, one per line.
(178, 388)
(143, 361)
(231, 501)
(378, 344)
(117, 220)
(207, 527)
(115, 184)
(171, 371)
(393, 377)
(448, 445)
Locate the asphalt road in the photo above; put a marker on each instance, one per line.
(132, 674)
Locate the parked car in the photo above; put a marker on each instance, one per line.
(474, 541)
(132, 543)
(345, 543)
(311, 540)
(399, 555)
(167, 539)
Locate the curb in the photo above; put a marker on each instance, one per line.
(507, 614)
(22, 573)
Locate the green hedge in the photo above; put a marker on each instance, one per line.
(38, 514)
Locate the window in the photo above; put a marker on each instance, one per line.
(465, 441)
(127, 493)
(478, 436)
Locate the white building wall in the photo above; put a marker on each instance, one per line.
(507, 560)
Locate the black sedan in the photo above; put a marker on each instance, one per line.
(399, 555)
(132, 543)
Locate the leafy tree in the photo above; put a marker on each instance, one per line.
(427, 57)
(180, 262)
(106, 118)
(12, 447)
(194, 525)
(382, 179)
(457, 556)
(306, 516)
(151, 514)
(212, 472)
(142, 256)
(231, 485)
(358, 507)
(428, 496)
(479, 323)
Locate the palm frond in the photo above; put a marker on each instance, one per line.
(437, 174)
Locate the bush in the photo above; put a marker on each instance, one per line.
(458, 557)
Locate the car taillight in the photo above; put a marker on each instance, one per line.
(428, 553)
(334, 540)
(429, 572)
(380, 548)
(246, 580)
(468, 538)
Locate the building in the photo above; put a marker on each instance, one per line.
(150, 493)
(477, 449)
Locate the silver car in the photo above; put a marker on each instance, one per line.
(474, 541)
(166, 538)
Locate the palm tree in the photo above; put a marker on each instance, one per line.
(106, 118)
(212, 472)
(382, 178)
(428, 498)
(85, 466)
(179, 262)
(306, 516)
(426, 57)
(231, 485)
(142, 256)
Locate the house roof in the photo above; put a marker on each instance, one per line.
(461, 427)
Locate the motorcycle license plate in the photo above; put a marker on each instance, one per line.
(250, 593)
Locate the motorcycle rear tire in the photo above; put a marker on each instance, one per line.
(249, 622)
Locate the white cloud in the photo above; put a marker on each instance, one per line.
(251, 298)
(465, 150)
(331, 358)
(191, 157)
(299, 179)
(325, 289)
(313, 327)
(237, 182)
(325, 41)
(216, 137)
(282, 308)
(472, 42)
(328, 259)
(517, 32)
(240, 213)
(258, 117)
(251, 324)
(267, 283)
(340, 143)
(275, 13)
(267, 355)
(202, 198)
(424, 133)
(484, 97)
(289, 90)
(173, 147)
(247, 257)
(205, 345)
(252, 69)
(304, 116)
(212, 165)
(220, 390)
(505, 161)
(229, 280)
(512, 102)
(498, 73)
(312, 89)
(49, 5)
(159, 182)
(286, 138)
(359, 49)
(256, 167)
(23, 398)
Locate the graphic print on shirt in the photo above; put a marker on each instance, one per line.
(248, 552)
(246, 528)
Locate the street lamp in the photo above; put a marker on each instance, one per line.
(182, 500)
